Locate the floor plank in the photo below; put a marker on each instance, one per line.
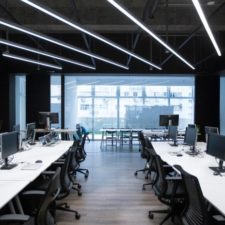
(112, 195)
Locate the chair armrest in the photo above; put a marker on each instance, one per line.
(14, 218)
(48, 172)
(174, 178)
(34, 192)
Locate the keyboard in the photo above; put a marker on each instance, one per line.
(31, 166)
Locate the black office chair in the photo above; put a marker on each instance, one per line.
(196, 210)
(44, 214)
(80, 156)
(144, 153)
(168, 189)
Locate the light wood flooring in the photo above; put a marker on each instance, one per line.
(112, 195)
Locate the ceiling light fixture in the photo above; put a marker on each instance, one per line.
(29, 49)
(20, 58)
(144, 27)
(77, 26)
(58, 42)
(206, 25)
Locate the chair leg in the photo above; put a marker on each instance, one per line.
(60, 207)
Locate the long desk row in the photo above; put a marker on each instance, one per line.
(13, 181)
(212, 186)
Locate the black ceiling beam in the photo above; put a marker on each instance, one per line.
(84, 36)
(33, 39)
(149, 11)
(192, 34)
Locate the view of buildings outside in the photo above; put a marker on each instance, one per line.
(126, 102)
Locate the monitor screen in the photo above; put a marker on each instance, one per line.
(16, 128)
(169, 120)
(210, 130)
(216, 146)
(54, 117)
(30, 131)
(9, 144)
(190, 136)
(42, 117)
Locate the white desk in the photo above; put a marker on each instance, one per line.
(212, 186)
(14, 180)
(9, 189)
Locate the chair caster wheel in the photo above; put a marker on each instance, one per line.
(150, 215)
(146, 177)
(79, 193)
(143, 188)
(86, 175)
(67, 206)
(77, 216)
(79, 186)
(135, 174)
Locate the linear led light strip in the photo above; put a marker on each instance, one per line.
(57, 42)
(29, 49)
(143, 27)
(61, 18)
(20, 58)
(206, 25)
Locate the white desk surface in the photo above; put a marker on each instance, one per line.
(14, 180)
(48, 154)
(212, 186)
(9, 189)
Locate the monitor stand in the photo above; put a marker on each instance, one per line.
(174, 143)
(218, 170)
(192, 151)
(8, 166)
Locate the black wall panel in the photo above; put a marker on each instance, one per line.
(37, 95)
(207, 101)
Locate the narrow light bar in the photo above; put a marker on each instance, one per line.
(29, 49)
(58, 42)
(20, 58)
(206, 25)
(143, 27)
(77, 26)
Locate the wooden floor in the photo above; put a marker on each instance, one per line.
(112, 195)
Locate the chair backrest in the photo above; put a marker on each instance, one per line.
(73, 162)
(195, 212)
(44, 217)
(160, 185)
(80, 153)
(141, 140)
(65, 182)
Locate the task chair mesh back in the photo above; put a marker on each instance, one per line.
(44, 217)
(160, 185)
(65, 180)
(195, 213)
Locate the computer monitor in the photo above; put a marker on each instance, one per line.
(216, 148)
(190, 138)
(30, 134)
(169, 120)
(54, 118)
(172, 134)
(210, 130)
(9, 146)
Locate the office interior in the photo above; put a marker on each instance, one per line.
(177, 23)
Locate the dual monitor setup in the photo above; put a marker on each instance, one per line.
(11, 142)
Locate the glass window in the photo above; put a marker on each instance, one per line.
(119, 101)
(56, 97)
(20, 96)
(131, 91)
(102, 90)
(156, 91)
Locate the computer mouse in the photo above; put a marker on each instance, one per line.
(38, 161)
(179, 155)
